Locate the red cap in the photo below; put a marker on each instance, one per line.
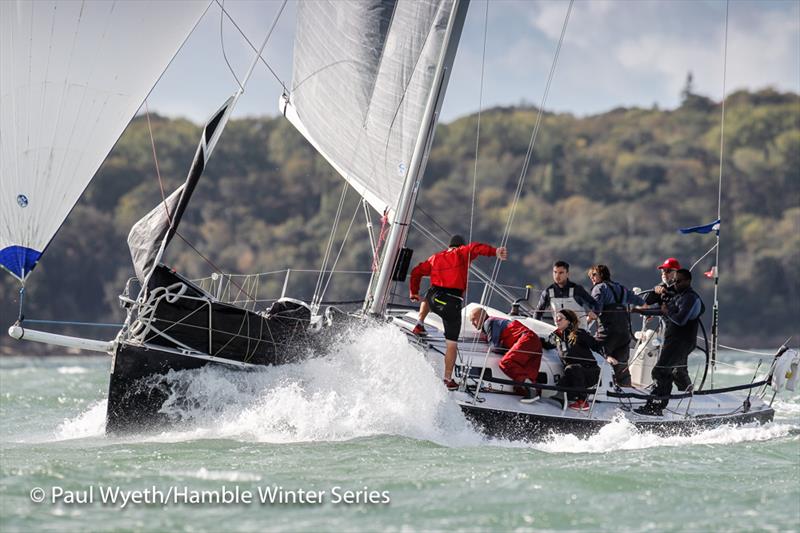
(671, 263)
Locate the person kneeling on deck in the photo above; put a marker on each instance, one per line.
(448, 271)
(522, 346)
(575, 346)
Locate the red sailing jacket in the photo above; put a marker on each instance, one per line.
(502, 333)
(449, 268)
(524, 348)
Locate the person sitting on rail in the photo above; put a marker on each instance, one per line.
(575, 345)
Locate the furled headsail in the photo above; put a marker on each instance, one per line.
(362, 75)
(72, 75)
(152, 233)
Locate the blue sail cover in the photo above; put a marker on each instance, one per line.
(72, 76)
(19, 260)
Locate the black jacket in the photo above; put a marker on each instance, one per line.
(651, 298)
(578, 352)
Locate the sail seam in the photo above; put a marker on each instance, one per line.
(410, 78)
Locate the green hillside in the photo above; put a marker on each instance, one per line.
(610, 188)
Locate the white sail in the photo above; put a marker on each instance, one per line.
(362, 76)
(72, 75)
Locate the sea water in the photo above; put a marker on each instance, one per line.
(365, 438)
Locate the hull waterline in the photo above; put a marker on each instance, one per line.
(533, 427)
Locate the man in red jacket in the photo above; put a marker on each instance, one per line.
(448, 271)
(523, 347)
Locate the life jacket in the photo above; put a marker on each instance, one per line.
(683, 338)
(568, 302)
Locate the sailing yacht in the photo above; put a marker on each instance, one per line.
(369, 79)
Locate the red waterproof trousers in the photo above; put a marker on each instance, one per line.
(524, 355)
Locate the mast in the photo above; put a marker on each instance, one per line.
(715, 314)
(715, 311)
(376, 303)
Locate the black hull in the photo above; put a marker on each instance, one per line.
(137, 388)
(178, 329)
(191, 318)
(523, 426)
(134, 395)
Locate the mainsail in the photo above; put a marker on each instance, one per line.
(72, 75)
(362, 77)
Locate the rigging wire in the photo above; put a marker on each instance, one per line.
(318, 287)
(528, 156)
(477, 138)
(155, 159)
(474, 191)
(370, 232)
(703, 256)
(222, 45)
(252, 46)
(435, 223)
(751, 352)
(338, 255)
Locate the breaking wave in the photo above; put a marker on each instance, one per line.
(620, 434)
(90, 423)
(72, 370)
(371, 382)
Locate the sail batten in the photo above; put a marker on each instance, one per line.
(363, 73)
(72, 76)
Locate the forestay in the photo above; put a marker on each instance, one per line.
(363, 73)
(72, 76)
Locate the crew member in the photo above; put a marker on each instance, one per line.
(523, 348)
(661, 294)
(565, 294)
(448, 271)
(682, 316)
(665, 290)
(614, 327)
(575, 346)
